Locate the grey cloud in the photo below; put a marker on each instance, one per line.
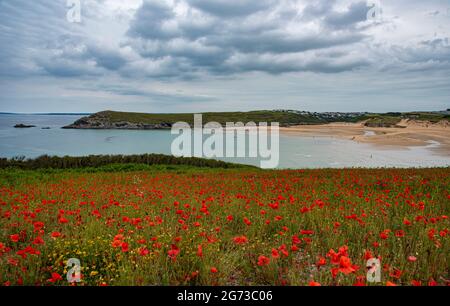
(328, 63)
(121, 90)
(279, 42)
(227, 8)
(318, 9)
(151, 20)
(68, 68)
(355, 13)
(107, 58)
(208, 43)
(205, 44)
(436, 50)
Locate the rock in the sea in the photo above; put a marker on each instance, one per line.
(23, 126)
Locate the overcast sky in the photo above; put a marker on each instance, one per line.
(223, 55)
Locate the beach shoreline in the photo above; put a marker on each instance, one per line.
(434, 136)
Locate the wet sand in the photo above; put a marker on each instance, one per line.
(411, 134)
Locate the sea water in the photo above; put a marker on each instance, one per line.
(295, 151)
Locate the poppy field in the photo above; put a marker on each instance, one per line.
(192, 226)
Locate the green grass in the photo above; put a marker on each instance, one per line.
(382, 121)
(424, 116)
(113, 162)
(284, 118)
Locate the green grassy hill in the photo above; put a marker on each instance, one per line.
(130, 120)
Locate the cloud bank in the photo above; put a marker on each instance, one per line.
(150, 47)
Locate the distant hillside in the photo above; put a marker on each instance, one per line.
(143, 121)
(124, 120)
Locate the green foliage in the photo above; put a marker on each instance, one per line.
(112, 162)
(383, 121)
(283, 117)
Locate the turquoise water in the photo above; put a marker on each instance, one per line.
(295, 151)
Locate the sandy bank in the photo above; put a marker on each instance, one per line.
(411, 133)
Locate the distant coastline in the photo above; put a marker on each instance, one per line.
(285, 118)
(47, 114)
(401, 130)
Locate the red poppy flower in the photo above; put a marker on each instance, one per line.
(38, 240)
(390, 284)
(360, 281)
(384, 235)
(334, 257)
(116, 243)
(368, 255)
(314, 284)
(124, 247)
(322, 262)
(173, 252)
(56, 234)
(432, 283)
(200, 251)
(345, 265)
(400, 233)
(396, 273)
(263, 260)
(284, 252)
(214, 270)
(334, 272)
(38, 226)
(240, 240)
(412, 258)
(296, 240)
(275, 254)
(55, 277)
(13, 262)
(144, 252)
(14, 238)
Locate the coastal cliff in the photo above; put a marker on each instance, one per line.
(104, 121)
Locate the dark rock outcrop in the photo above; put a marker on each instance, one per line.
(102, 122)
(23, 126)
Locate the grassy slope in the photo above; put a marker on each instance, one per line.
(285, 118)
(221, 117)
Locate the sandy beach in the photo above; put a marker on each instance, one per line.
(411, 133)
